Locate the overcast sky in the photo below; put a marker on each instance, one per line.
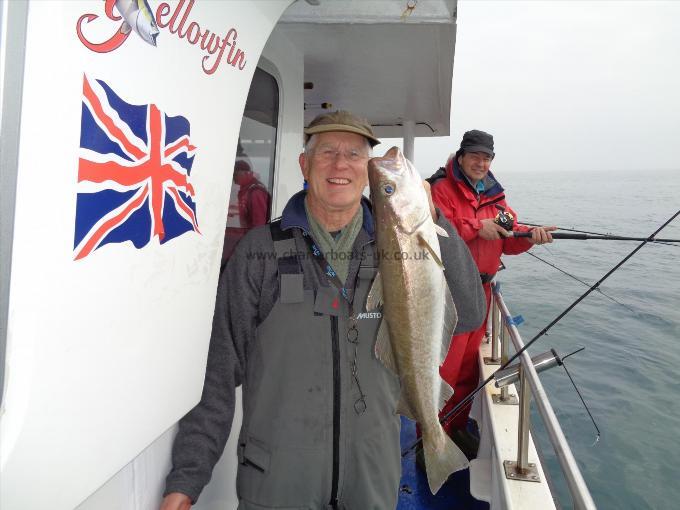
(566, 85)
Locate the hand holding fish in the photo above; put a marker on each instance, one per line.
(428, 191)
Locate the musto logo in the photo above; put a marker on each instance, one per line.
(137, 16)
(370, 315)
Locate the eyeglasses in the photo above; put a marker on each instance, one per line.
(329, 154)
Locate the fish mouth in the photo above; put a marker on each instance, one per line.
(392, 162)
(341, 181)
(393, 153)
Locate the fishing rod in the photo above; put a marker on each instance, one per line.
(565, 228)
(506, 220)
(583, 237)
(599, 235)
(458, 408)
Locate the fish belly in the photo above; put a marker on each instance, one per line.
(414, 309)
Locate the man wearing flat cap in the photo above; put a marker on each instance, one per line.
(470, 196)
(320, 428)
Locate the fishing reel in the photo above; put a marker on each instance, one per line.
(504, 218)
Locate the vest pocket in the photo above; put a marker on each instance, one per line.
(254, 455)
(367, 272)
(278, 477)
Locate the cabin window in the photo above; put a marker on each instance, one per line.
(251, 190)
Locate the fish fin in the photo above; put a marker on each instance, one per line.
(404, 409)
(422, 242)
(125, 28)
(383, 348)
(442, 457)
(440, 231)
(449, 324)
(445, 393)
(375, 294)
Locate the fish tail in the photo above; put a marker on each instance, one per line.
(442, 457)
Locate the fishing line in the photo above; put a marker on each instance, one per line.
(459, 407)
(581, 281)
(667, 244)
(597, 438)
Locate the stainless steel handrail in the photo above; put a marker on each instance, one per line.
(577, 485)
(505, 346)
(496, 326)
(524, 426)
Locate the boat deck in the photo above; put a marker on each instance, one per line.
(414, 492)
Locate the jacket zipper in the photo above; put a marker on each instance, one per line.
(336, 411)
(492, 202)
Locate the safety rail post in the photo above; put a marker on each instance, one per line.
(504, 398)
(524, 422)
(489, 315)
(522, 469)
(495, 334)
(504, 359)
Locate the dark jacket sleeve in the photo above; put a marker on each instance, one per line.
(204, 431)
(463, 279)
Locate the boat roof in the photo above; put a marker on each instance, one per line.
(401, 63)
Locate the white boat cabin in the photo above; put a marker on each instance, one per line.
(118, 192)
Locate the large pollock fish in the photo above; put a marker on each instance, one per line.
(418, 311)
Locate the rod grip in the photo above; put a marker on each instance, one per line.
(558, 235)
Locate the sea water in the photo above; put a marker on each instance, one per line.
(629, 373)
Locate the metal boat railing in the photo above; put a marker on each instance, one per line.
(503, 326)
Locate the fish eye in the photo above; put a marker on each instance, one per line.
(388, 189)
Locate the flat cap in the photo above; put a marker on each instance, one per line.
(341, 121)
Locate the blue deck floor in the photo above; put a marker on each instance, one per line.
(414, 492)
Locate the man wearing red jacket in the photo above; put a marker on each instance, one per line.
(467, 193)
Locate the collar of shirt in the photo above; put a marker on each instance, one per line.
(294, 214)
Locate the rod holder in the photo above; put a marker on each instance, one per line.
(541, 362)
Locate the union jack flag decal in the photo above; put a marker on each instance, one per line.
(133, 173)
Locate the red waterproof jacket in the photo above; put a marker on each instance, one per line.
(253, 203)
(464, 207)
